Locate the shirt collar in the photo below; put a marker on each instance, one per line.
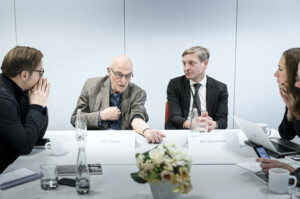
(117, 96)
(202, 82)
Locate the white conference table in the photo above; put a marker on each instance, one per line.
(214, 174)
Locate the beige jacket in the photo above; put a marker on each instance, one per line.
(94, 98)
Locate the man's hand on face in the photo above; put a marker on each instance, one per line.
(39, 93)
(110, 114)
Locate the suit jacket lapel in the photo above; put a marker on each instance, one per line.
(209, 94)
(103, 97)
(126, 98)
(186, 97)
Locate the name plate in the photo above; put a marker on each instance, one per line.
(111, 147)
(213, 140)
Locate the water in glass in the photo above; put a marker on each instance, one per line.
(49, 183)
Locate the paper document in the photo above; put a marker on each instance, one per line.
(111, 147)
(213, 139)
(255, 168)
(250, 165)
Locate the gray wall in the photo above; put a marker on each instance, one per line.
(79, 38)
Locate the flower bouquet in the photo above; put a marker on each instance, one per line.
(164, 163)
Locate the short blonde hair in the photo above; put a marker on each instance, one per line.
(202, 53)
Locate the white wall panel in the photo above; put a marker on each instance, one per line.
(78, 39)
(265, 29)
(157, 33)
(7, 28)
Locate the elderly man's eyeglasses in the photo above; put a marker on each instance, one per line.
(120, 75)
(40, 71)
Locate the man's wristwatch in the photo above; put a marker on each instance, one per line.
(296, 173)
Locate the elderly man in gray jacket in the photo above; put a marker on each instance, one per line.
(113, 102)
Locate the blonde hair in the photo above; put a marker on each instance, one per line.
(202, 53)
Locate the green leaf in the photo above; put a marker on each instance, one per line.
(147, 157)
(154, 175)
(135, 176)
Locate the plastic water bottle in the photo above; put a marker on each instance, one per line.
(82, 173)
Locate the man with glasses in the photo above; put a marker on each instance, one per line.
(23, 99)
(196, 90)
(113, 102)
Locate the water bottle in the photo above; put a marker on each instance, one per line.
(82, 173)
(194, 122)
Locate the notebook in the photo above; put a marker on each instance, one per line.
(17, 177)
(256, 135)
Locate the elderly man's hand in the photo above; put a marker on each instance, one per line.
(154, 136)
(110, 114)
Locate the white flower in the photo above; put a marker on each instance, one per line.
(166, 163)
(156, 155)
(166, 176)
(140, 160)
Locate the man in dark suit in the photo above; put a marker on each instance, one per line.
(196, 90)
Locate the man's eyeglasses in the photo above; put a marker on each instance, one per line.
(40, 71)
(120, 75)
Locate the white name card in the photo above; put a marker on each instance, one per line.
(111, 147)
(213, 140)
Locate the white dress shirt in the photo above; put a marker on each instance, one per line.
(202, 95)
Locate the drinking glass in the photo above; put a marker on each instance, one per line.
(198, 125)
(81, 130)
(202, 126)
(194, 120)
(49, 179)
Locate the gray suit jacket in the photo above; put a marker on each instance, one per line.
(94, 98)
(178, 94)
